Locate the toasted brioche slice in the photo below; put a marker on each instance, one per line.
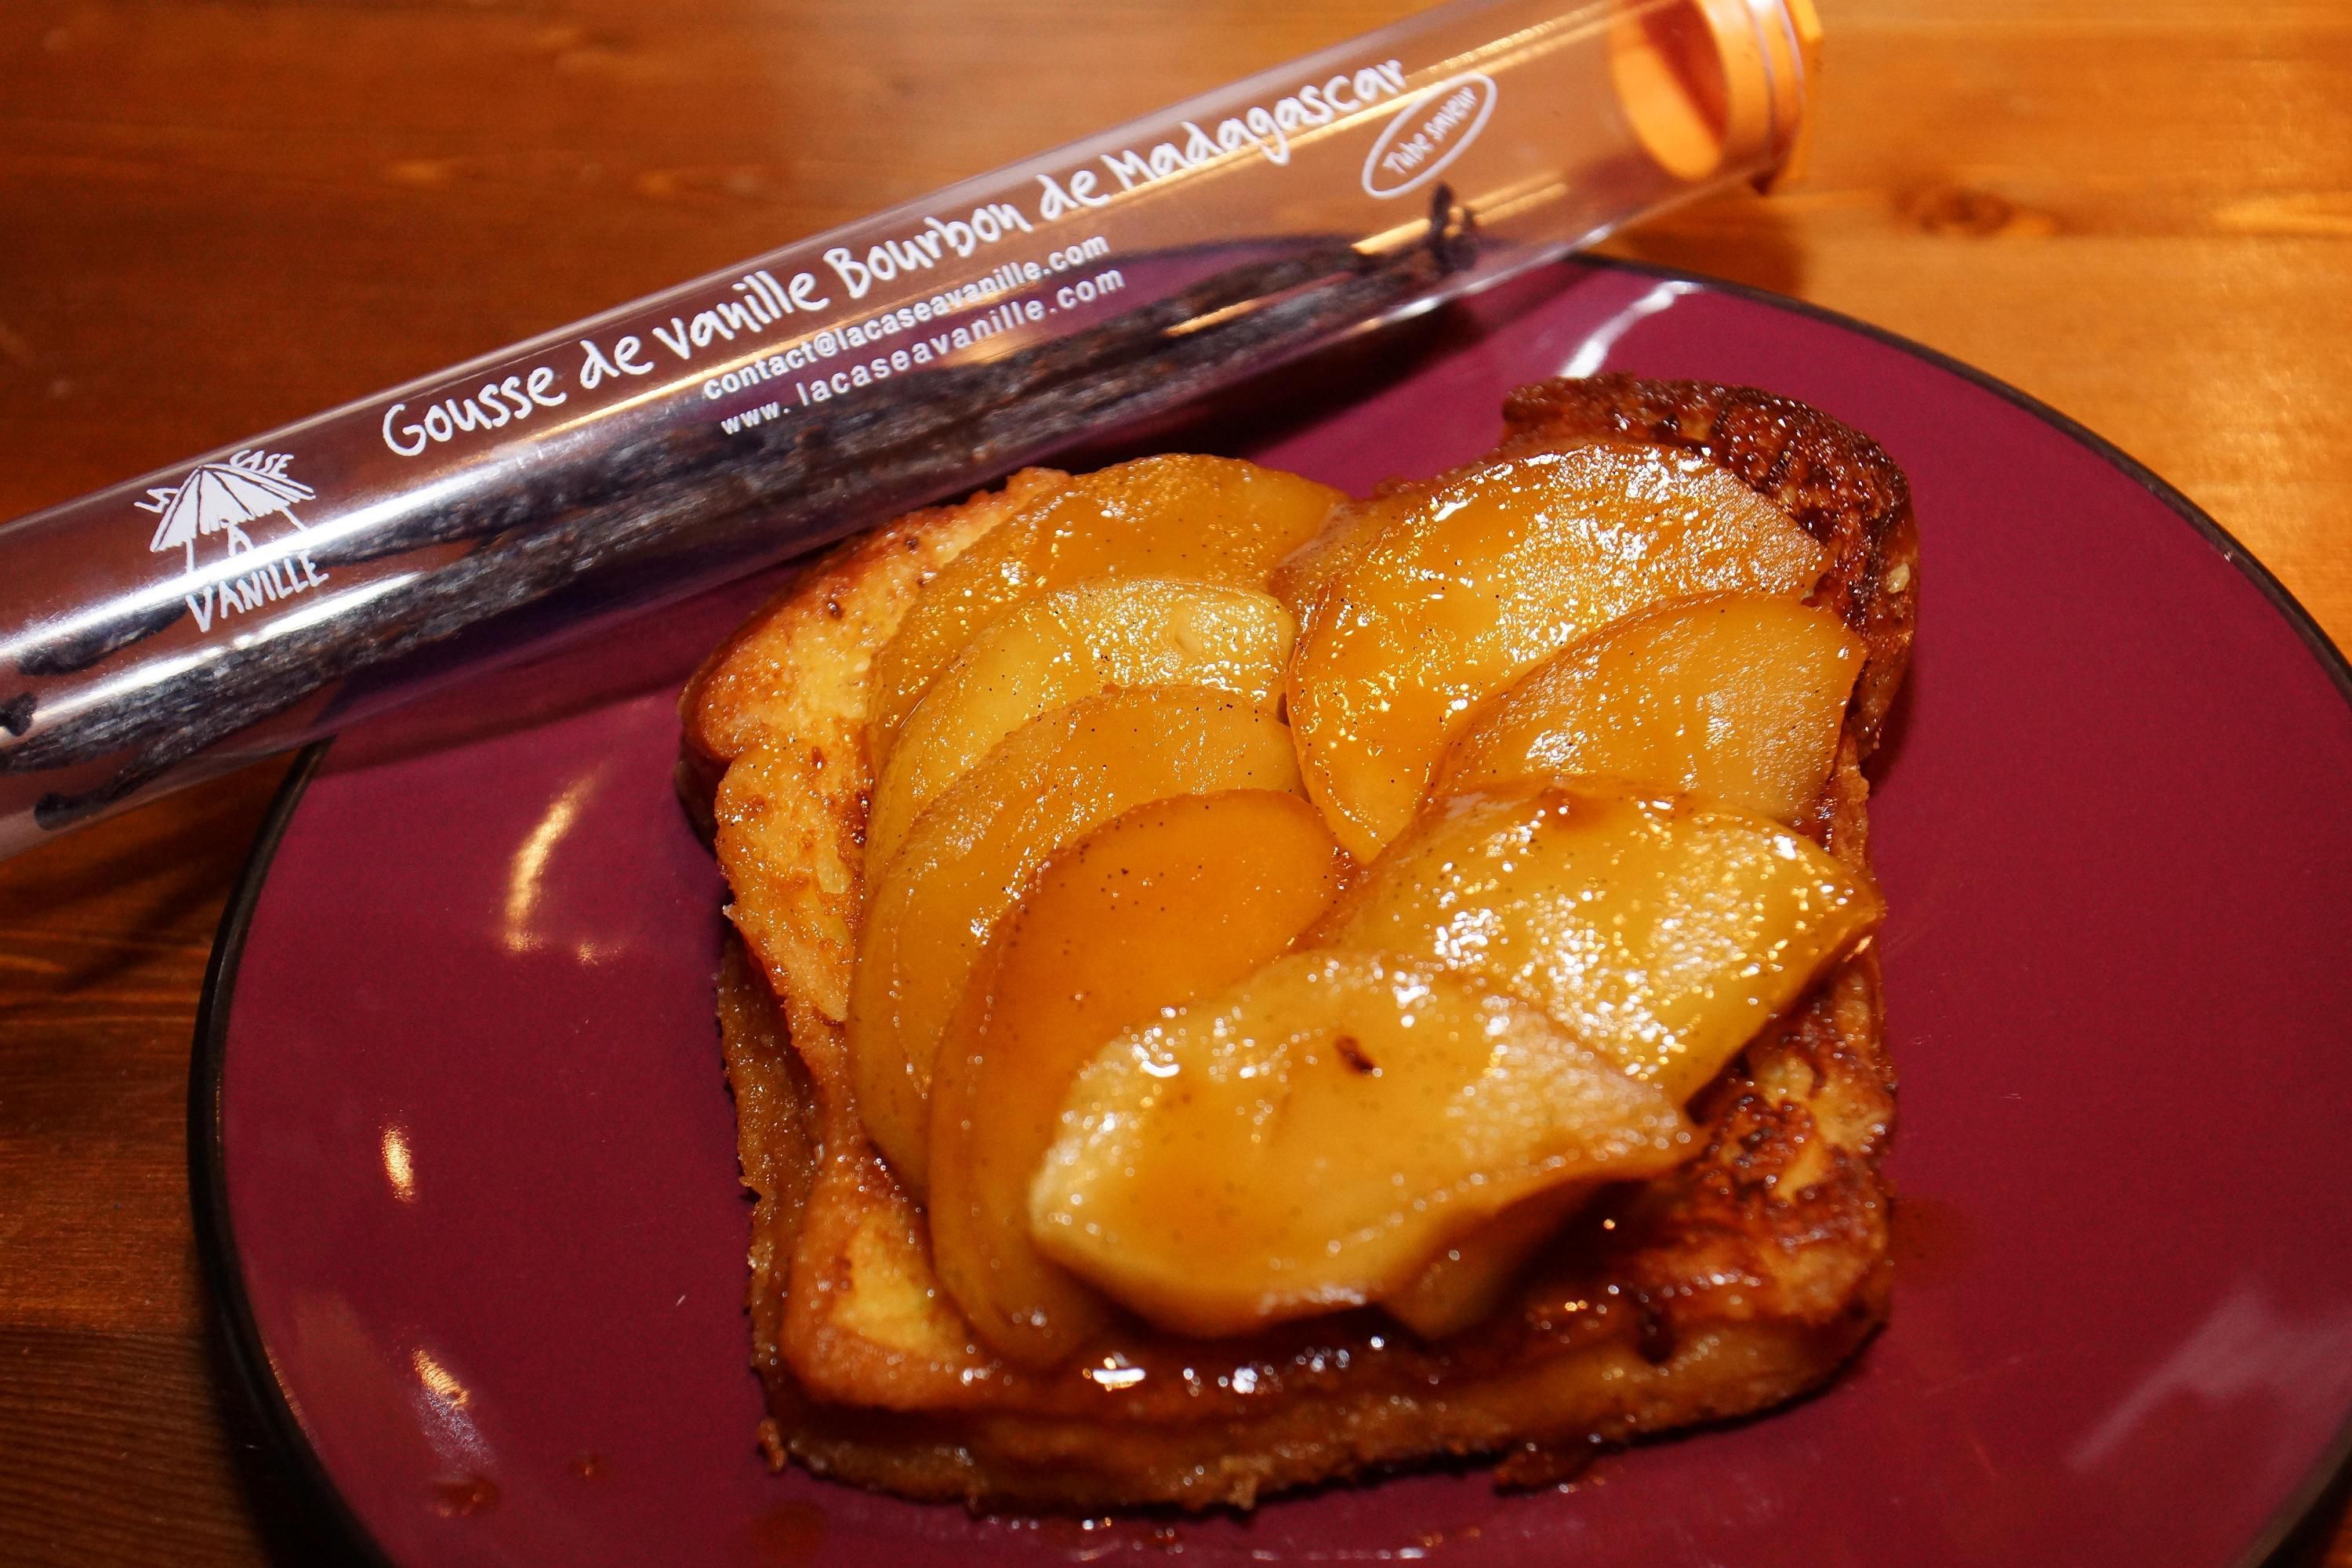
(1727, 1286)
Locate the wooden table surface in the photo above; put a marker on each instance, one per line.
(219, 217)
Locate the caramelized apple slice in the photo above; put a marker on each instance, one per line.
(1663, 933)
(1346, 533)
(1465, 1283)
(1306, 1139)
(1738, 699)
(931, 910)
(1091, 638)
(1350, 529)
(1208, 518)
(1171, 902)
(1488, 577)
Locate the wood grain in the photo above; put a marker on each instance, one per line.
(219, 217)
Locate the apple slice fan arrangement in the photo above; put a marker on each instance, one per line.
(1240, 985)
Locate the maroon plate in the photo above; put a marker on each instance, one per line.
(465, 1174)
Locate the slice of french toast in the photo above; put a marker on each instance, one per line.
(1739, 1279)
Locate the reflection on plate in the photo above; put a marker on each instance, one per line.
(464, 1160)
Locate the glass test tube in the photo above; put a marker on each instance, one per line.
(255, 597)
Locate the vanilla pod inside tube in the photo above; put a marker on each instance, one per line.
(185, 622)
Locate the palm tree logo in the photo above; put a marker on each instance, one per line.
(221, 498)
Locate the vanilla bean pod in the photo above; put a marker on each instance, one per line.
(658, 504)
(703, 455)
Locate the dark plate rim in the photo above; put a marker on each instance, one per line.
(215, 1238)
